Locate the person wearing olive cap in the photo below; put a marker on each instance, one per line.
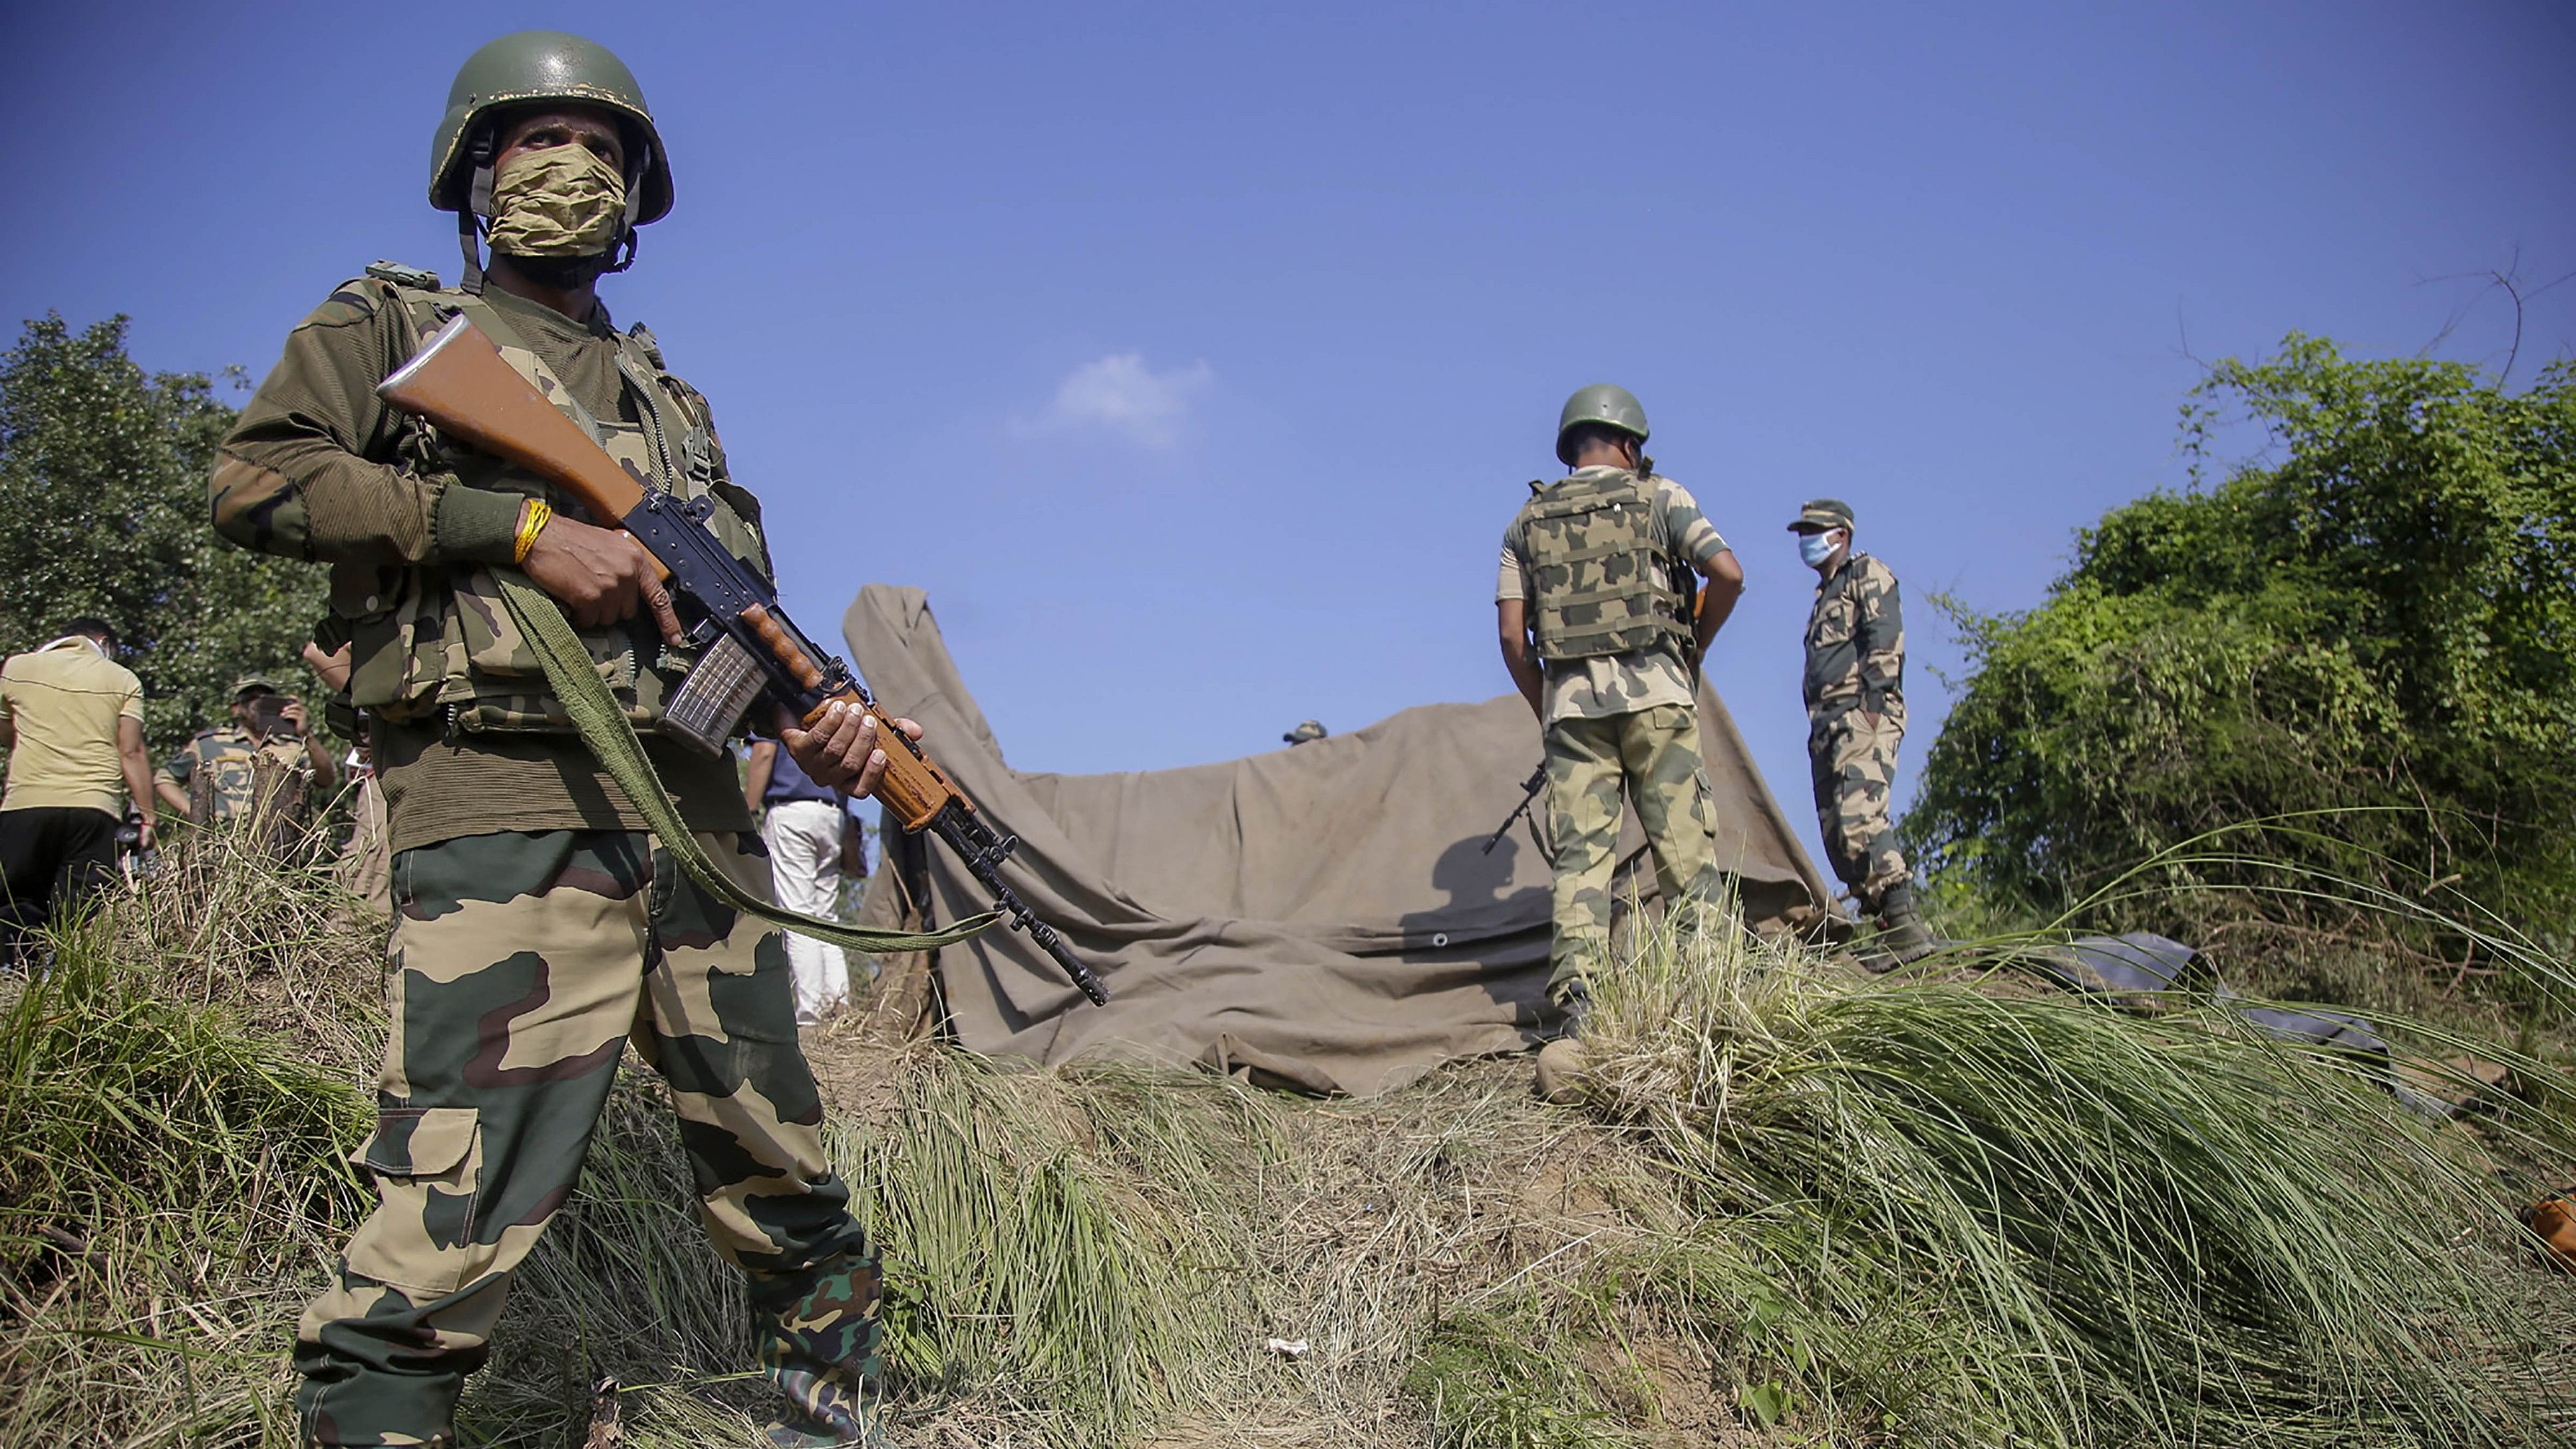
(540, 929)
(213, 779)
(1595, 608)
(1855, 691)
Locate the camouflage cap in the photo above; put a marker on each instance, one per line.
(1312, 729)
(1822, 515)
(253, 684)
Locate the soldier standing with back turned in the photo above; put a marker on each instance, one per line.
(1597, 628)
(1855, 689)
(540, 927)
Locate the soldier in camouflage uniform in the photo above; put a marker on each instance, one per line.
(540, 930)
(1855, 690)
(221, 775)
(1595, 610)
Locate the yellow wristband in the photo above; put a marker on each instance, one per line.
(532, 519)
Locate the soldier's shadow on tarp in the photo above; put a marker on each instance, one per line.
(1447, 941)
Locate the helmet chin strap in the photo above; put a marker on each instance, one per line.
(634, 203)
(478, 204)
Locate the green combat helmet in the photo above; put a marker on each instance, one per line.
(1306, 733)
(522, 69)
(1603, 403)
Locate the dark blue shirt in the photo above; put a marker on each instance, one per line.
(787, 780)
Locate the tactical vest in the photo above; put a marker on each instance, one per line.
(1603, 581)
(428, 641)
(266, 788)
(221, 782)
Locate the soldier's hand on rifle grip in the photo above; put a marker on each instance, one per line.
(841, 752)
(599, 575)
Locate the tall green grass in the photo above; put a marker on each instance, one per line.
(2394, 936)
(1065, 1251)
(1071, 1245)
(2084, 1227)
(1805, 1207)
(162, 1174)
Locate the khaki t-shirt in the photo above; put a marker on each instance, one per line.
(1643, 678)
(65, 700)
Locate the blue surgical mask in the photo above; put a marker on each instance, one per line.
(1815, 548)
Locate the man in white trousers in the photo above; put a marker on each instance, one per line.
(803, 824)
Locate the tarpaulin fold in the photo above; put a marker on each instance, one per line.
(1321, 917)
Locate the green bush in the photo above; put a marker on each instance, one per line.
(2348, 657)
(103, 480)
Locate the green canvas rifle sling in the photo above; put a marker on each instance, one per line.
(612, 738)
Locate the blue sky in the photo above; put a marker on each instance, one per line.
(1193, 358)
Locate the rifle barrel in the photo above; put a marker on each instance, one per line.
(983, 853)
(1529, 796)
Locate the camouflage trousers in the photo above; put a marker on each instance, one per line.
(1593, 766)
(524, 965)
(1852, 755)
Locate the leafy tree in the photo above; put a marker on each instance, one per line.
(103, 481)
(2355, 646)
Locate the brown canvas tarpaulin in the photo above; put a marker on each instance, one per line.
(1322, 916)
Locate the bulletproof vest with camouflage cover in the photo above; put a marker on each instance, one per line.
(266, 787)
(1603, 584)
(436, 640)
(220, 775)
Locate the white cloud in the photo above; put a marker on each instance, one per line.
(1121, 394)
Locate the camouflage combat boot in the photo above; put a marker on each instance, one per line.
(803, 1436)
(816, 1337)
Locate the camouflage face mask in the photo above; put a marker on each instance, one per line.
(563, 201)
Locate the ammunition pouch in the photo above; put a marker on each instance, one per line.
(433, 641)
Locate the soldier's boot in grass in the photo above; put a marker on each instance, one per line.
(1562, 1071)
(818, 1334)
(1559, 1073)
(1901, 938)
(800, 1435)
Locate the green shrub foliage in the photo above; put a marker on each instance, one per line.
(103, 483)
(2353, 650)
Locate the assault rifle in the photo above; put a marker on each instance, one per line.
(747, 648)
(1529, 796)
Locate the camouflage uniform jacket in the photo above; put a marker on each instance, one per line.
(415, 545)
(1856, 642)
(1640, 679)
(416, 525)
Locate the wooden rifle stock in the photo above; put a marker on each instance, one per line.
(460, 382)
